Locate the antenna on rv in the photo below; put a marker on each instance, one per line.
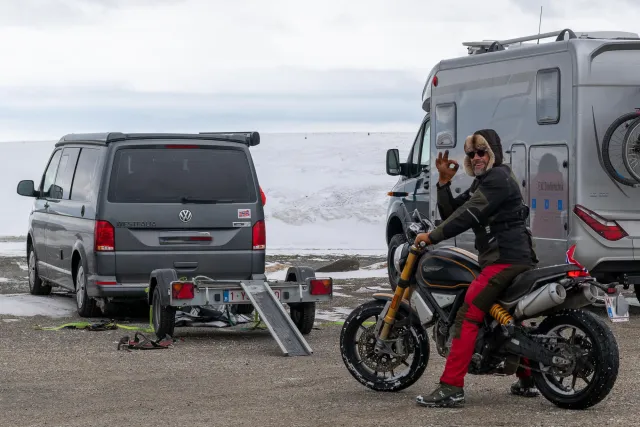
(540, 24)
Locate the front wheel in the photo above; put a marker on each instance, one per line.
(386, 371)
(586, 340)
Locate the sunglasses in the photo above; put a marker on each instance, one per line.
(472, 154)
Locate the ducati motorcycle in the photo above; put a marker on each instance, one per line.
(572, 353)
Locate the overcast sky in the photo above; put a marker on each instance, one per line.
(269, 65)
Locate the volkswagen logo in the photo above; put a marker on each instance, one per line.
(185, 215)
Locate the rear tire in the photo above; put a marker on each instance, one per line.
(36, 285)
(603, 357)
(86, 306)
(394, 275)
(636, 288)
(303, 316)
(163, 319)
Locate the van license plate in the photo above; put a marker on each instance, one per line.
(241, 296)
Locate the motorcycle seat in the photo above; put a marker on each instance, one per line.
(533, 279)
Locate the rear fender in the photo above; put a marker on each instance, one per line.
(161, 278)
(417, 306)
(299, 275)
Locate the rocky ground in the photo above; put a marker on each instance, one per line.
(238, 376)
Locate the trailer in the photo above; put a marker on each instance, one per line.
(301, 290)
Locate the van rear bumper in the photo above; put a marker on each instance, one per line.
(108, 287)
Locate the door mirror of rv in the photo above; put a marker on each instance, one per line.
(26, 188)
(393, 162)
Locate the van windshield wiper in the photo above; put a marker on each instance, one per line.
(204, 201)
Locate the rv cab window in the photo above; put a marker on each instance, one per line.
(548, 96)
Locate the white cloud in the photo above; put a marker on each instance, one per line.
(112, 49)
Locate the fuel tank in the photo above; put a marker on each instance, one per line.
(447, 269)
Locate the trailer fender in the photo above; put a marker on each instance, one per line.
(300, 274)
(161, 277)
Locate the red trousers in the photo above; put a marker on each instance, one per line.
(481, 295)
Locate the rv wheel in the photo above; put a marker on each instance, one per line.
(615, 136)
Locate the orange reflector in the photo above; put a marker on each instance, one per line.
(182, 290)
(321, 286)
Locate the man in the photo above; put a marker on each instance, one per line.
(494, 209)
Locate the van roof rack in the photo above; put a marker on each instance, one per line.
(478, 47)
(251, 138)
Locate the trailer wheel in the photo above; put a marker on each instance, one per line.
(303, 315)
(163, 319)
(615, 136)
(631, 149)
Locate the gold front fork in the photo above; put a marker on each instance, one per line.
(403, 291)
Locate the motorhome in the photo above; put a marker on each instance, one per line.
(568, 115)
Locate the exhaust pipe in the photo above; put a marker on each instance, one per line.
(540, 300)
(581, 297)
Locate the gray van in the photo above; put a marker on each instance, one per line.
(568, 114)
(112, 207)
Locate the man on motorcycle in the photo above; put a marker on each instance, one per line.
(493, 207)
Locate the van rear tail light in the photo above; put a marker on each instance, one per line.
(610, 230)
(104, 237)
(182, 290)
(321, 286)
(259, 235)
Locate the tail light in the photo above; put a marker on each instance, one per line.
(104, 235)
(259, 235)
(182, 290)
(263, 197)
(320, 286)
(610, 230)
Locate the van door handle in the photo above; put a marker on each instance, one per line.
(185, 265)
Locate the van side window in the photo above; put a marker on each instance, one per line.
(67, 167)
(548, 96)
(50, 174)
(85, 175)
(413, 163)
(426, 145)
(446, 125)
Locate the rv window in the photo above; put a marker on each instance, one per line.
(548, 96)
(446, 125)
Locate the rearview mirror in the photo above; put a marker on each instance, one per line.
(26, 188)
(393, 162)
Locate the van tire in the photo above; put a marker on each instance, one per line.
(303, 316)
(394, 276)
(163, 319)
(86, 305)
(636, 288)
(36, 285)
(606, 159)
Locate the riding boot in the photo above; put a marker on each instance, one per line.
(445, 396)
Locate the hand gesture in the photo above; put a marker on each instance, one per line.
(444, 166)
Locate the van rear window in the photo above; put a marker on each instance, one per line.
(171, 175)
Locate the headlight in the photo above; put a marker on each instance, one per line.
(400, 256)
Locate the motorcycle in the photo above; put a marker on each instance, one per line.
(569, 345)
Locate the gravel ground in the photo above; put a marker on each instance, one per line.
(238, 376)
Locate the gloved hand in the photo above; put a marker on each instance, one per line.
(445, 169)
(422, 237)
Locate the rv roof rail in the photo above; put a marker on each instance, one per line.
(495, 45)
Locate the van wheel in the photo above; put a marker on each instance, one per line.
(303, 316)
(36, 285)
(163, 319)
(615, 136)
(394, 275)
(636, 287)
(86, 306)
